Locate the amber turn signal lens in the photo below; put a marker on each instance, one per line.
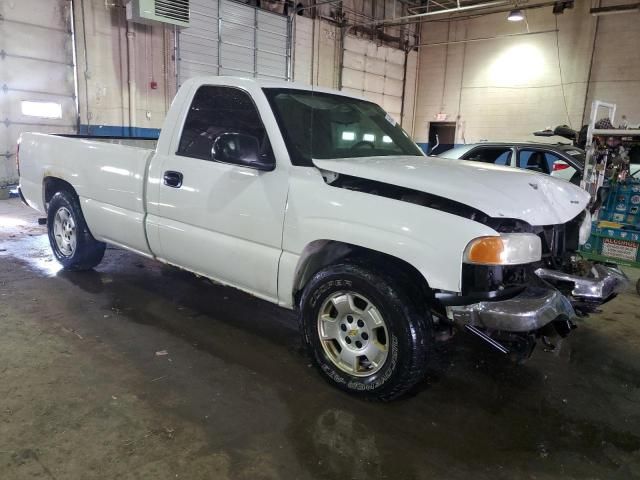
(485, 251)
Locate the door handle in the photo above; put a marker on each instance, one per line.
(173, 179)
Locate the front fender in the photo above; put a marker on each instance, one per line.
(431, 240)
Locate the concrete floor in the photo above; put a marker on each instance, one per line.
(141, 371)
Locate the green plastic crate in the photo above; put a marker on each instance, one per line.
(619, 246)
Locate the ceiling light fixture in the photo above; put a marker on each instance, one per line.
(515, 16)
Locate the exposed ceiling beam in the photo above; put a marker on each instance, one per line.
(472, 14)
(495, 3)
(615, 9)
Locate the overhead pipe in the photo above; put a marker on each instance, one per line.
(481, 39)
(496, 3)
(509, 8)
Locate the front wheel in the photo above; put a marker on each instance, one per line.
(71, 241)
(364, 332)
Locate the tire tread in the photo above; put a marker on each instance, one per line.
(391, 286)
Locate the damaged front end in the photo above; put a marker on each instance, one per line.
(511, 307)
(587, 293)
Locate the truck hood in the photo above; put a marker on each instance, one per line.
(500, 192)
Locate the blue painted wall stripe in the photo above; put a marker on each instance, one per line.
(118, 131)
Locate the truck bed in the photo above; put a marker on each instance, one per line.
(109, 177)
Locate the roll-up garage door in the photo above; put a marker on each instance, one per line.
(37, 83)
(230, 38)
(374, 72)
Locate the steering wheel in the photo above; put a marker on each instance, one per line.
(362, 143)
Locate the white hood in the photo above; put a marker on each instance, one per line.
(497, 191)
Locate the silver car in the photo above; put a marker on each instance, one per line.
(558, 160)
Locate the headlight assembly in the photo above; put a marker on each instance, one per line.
(506, 249)
(585, 228)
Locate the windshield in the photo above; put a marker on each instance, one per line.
(322, 125)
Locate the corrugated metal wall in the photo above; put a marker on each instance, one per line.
(374, 72)
(229, 38)
(36, 65)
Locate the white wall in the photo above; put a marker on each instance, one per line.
(506, 88)
(616, 68)
(316, 60)
(316, 55)
(103, 78)
(104, 89)
(36, 65)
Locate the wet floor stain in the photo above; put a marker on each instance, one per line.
(139, 370)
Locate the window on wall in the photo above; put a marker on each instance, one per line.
(52, 110)
(215, 111)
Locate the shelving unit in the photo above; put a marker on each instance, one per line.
(593, 174)
(615, 234)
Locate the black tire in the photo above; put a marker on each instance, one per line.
(88, 252)
(408, 332)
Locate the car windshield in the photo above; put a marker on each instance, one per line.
(322, 125)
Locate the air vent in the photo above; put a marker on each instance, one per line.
(149, 12)
(177, 10)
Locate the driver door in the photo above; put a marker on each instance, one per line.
(222, 220)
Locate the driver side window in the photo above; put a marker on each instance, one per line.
(216, 111)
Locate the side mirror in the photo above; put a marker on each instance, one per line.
(240, 149)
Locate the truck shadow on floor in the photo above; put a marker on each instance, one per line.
(201, 307)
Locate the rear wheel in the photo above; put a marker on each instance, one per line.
(364, 332)
(71, 241)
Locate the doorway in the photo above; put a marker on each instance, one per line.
(442, 137)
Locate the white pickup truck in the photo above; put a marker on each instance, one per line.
(318, 201)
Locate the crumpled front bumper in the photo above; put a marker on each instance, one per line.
(537, 306)
(604, 284)
(528, 311)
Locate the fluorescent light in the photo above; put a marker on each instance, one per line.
(515, 16)
(369, 137)
(41, 109)
(349, 136)
(386, 139)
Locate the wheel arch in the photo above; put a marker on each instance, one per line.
(319, 254)
(52, 185)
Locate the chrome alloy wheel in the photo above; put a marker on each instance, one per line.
(64, 232)
(353, 333)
